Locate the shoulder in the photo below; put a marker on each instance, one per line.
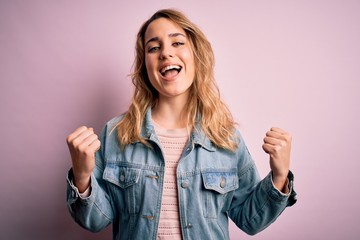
(241, 145)
(111, 125)
(115, 121)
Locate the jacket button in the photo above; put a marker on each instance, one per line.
(122, 177)
(185, 184)
(222, 182)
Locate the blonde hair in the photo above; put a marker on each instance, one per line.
(215, 119)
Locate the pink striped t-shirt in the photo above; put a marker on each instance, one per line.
(172, 142)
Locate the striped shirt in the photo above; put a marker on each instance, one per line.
(172, 142)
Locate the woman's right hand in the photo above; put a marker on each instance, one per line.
(83, 144)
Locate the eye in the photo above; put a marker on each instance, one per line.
(177, 44)
(153, 49)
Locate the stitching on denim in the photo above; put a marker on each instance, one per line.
(260, 210)
(98, 208)
(246, 169)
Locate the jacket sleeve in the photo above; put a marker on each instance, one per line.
(256, 204)
(93, 212)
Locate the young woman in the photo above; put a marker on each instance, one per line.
(174, 166)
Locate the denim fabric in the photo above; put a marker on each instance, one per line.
(213, 186)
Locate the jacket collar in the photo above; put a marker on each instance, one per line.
(197, 136)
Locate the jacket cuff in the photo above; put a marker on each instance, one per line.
(73, 193)
(277, 195)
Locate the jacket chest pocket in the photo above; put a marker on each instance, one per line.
(219, 185)
(125, 189)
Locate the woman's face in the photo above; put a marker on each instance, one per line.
(169, 59)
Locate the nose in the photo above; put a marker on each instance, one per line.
(166, 53)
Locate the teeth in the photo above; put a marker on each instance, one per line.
(170, 67)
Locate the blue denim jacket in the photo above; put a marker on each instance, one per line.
(213, 184)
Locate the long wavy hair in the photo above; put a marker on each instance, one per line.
(204, 100)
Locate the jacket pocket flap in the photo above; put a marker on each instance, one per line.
(221, 181)
(122, 176)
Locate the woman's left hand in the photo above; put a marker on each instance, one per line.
(277, 143)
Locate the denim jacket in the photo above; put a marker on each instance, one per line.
(213, 185)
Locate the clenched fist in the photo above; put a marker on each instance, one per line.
(277, 143)
(83, 144)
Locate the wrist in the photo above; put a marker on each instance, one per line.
(82, 183)
(281, 182)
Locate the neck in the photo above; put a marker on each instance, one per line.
(170, 113)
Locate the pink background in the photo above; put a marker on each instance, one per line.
(293, 64)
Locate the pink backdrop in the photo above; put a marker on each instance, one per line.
(283, 63)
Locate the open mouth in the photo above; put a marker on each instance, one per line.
(170, 70)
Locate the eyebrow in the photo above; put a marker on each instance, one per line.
(156, 39)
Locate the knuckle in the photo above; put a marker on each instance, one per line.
(88, 152)
(83, 128)
(76, 143)
(79, 148)
(289, 138)
(277, 148)
(94, 138)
